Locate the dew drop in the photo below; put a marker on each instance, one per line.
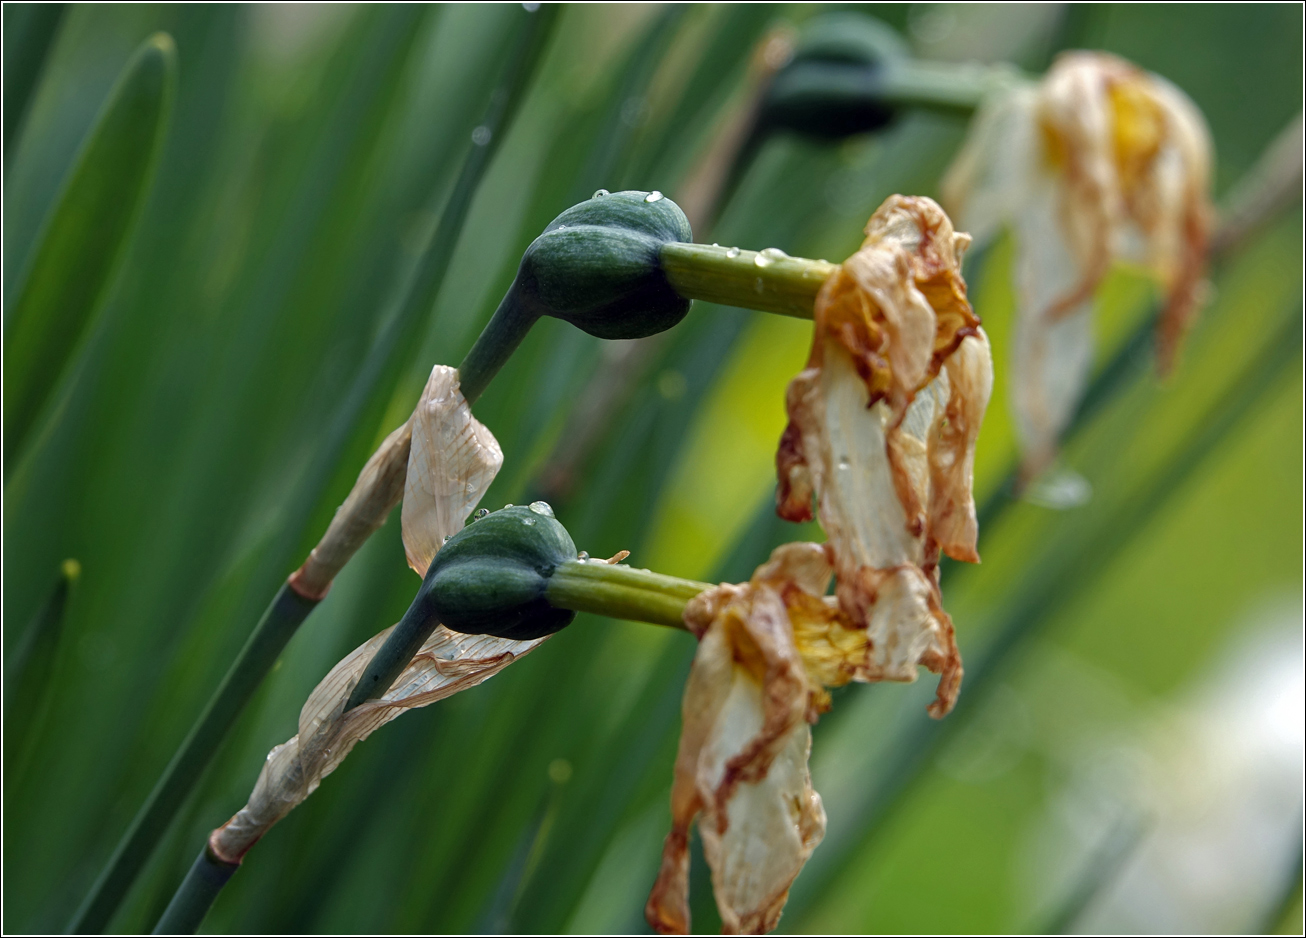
(733, 252)
(482, 512)
(600, 193)
(653, 196)
(845, 463)
(583, 555)
(761, 260)
(481, 135)
(528, 521)
(447, 536)
(542, 508)
(509, 505)
(774, 254)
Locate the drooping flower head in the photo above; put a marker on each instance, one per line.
(1099, 162)
(882, 429)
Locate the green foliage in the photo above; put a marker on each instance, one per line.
(201, 451)
(87, 231)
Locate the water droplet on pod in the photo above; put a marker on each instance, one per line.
(600, 193)
(761, 260)
(542, 508)
(528, 521)
(733, 252)
(774, 254)
(482, 512)
(583, 555)
(447, 536)
(653, 196)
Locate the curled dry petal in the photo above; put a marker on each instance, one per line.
(882, 430)
(447, 663)
(379, 487)
(741, 768)
(453, 460)
(1098, 162)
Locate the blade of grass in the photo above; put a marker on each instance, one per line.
(88, 231)
(27, 673)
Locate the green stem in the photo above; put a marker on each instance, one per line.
(194, 897)
(288, 609)
(276, 627)
(582, 585)
(622, 592)
(938, 86)
(392, 657)
(500, 338)
(769, 281)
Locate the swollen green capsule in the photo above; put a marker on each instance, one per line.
(596, 266)
(833, 87)
(490, 577)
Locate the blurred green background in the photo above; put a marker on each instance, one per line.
(1127, 751)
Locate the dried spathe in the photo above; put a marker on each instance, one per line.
(447, 663)
(882, 430)
(453, 460)
(1098, 162)
(442, 460)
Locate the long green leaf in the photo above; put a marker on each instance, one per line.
(84, 238)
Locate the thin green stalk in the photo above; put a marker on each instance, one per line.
(622, 592)
(581, 585)
(496, 343)
(769, 281)
(194, 897)
(288, 609)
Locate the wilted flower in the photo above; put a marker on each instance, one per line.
(1098, 162)
(882, 430)
(442, 460)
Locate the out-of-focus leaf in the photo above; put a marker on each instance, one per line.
(29, 30)
(84, 238)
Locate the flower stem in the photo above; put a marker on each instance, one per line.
(769, 281)
(289, 609)
(500, 338)
(622, 592)
(938, 86)
(194, 897)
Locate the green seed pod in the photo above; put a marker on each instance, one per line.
(489, 578)
(596, 266)
(832, 86)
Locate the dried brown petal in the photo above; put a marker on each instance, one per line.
(453, 460)
(882, 428)
(742, 764)
(447, 663)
